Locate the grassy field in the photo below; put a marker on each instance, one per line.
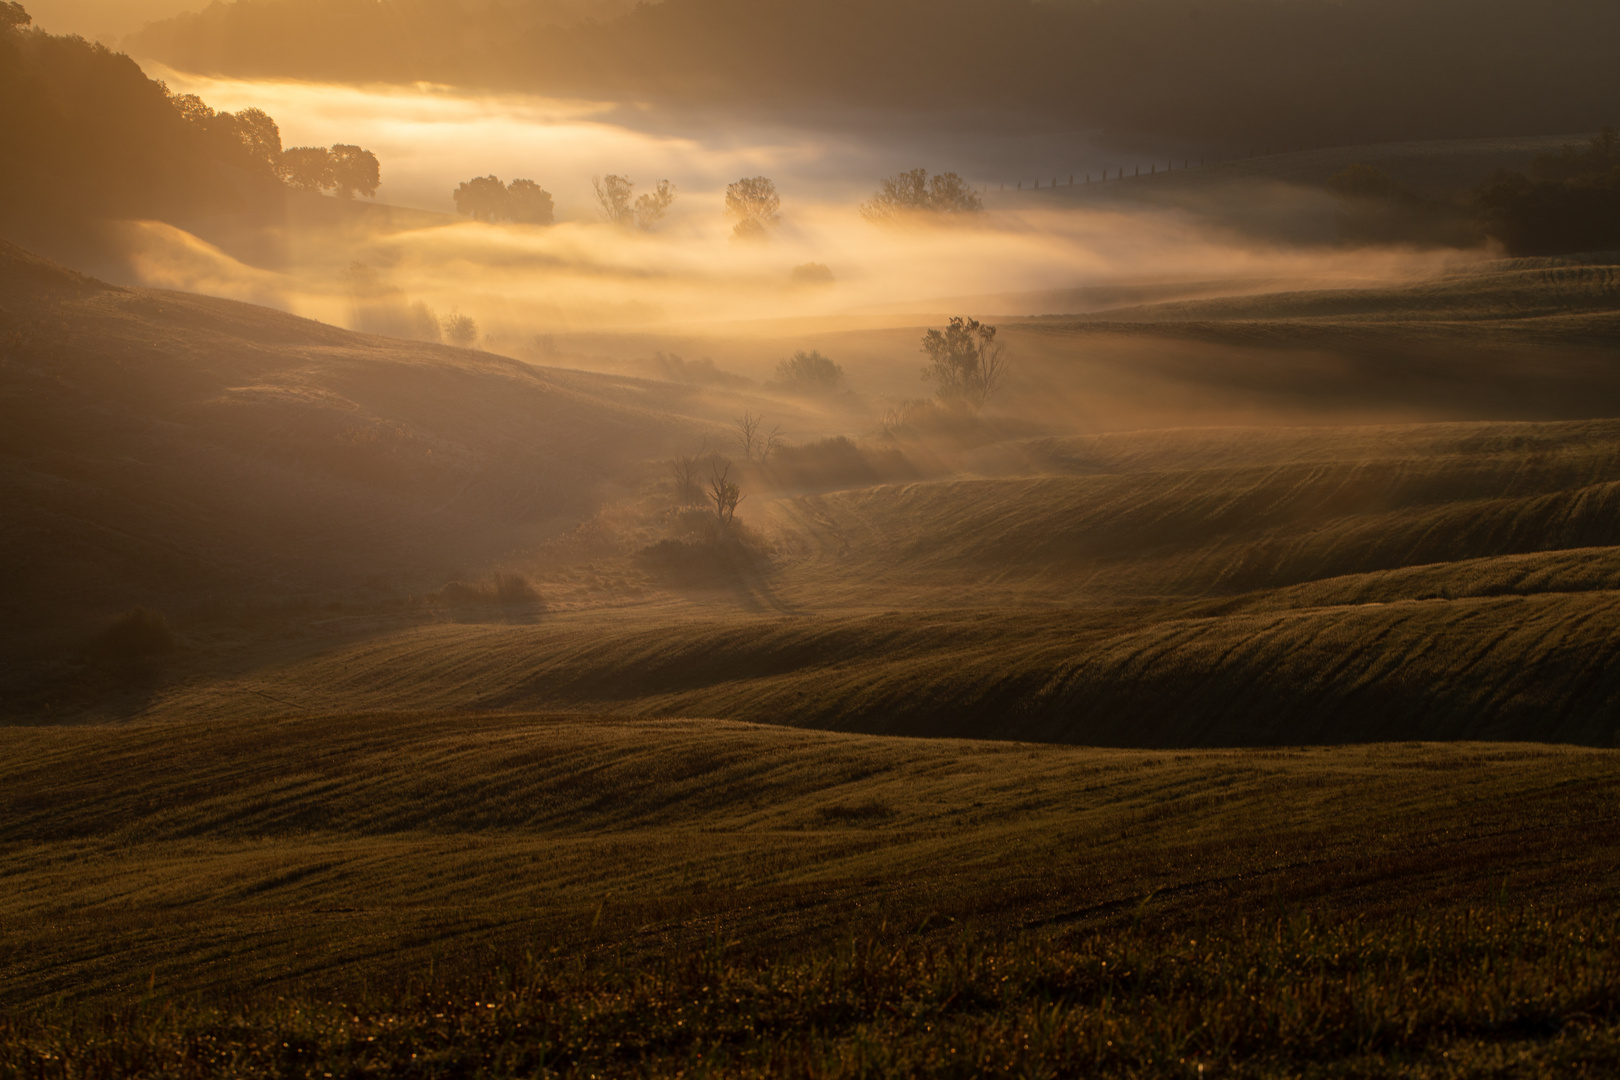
(503, 895)
(1188, 588)
(1235, 697)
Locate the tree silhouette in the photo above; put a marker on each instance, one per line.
(754, 204)
(966, 362)
(308, 168)
(1571, 204)
(651, 207)
(260, 137)
(808, 373)
(684, 471)
(460, 329)
(613, 193)
(914, 194)
(723, 492)
(192, 109)
(12, 15)
(483, 198)
(527, 203)
(354, 171)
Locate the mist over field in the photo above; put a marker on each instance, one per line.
(763, 539)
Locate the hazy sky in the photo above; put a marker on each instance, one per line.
(431, 138)
(581, 274)
(103, 20)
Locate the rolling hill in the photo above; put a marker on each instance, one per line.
(368, 814)
(453, 894)
(296, 497)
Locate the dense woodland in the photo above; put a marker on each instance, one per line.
(89, 136)
(1205, 70)
(1569, 202)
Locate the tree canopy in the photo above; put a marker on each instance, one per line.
(1570, 202)
(354, 172)
(753, 204)
(808, 373)
(966, 362)
(485, 198)
(84, 134)
(914, 193)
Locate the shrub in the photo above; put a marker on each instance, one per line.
(808, 373)
(812, 273)
(504, 590)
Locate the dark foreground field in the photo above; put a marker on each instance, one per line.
(528, 895)
(465, 746)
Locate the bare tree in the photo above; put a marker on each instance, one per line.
(723, 492)
(770, 444)
(613, 192)
(749, 437)
(651, 207)
(684, 470)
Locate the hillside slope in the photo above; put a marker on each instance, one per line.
(1175, 589)
(173, 450)
(289, 494)
(306, 855)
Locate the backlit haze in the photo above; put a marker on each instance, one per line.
(581, 274)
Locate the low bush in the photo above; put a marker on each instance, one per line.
(504, 590)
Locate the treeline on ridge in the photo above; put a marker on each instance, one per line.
(1361, 70)
(88, 135)
(1569, 202)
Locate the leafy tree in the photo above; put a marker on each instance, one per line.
(808, 373)
(354, 171)
(613, 193)
(260, 138)
(12, 15)
(527, 203)
(192, 109)
(308, 168)
(914, 193)
(754, 204)
(966, 362)
(460, 329)
(483, 198)
(422, 324)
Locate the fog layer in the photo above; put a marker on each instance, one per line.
(581, 273)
